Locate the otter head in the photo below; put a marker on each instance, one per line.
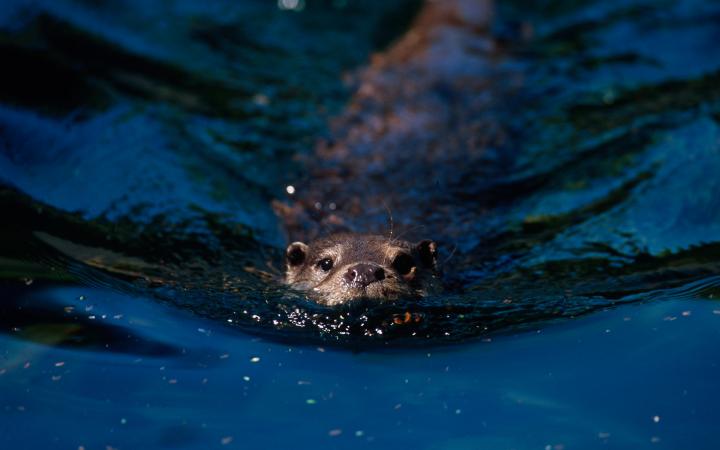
(345, 267)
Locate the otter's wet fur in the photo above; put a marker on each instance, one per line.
(415, 131)
(344, 267)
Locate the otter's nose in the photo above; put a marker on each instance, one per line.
(364, 274)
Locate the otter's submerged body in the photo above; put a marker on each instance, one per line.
(416, 131)
(345, 267)
(418, 124)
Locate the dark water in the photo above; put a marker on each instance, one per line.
(564, 156)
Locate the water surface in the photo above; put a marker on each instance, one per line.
(564, 156)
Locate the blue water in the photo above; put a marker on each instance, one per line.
(642, 376)
(564, 155)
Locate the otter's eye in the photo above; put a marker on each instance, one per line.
(403, 263)
(325, 264)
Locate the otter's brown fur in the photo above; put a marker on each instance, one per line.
(417, 128)
(345, 267)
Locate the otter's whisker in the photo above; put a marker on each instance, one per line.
(392, 227)
(409, 230)
(452, 253)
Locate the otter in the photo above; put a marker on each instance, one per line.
(344, 267)
(415, 133)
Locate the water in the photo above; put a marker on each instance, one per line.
(562, 155)
(167, 379)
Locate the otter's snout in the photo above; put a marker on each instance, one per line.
(364, 274)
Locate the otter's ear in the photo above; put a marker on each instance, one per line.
(428, 253)
(296, 254)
